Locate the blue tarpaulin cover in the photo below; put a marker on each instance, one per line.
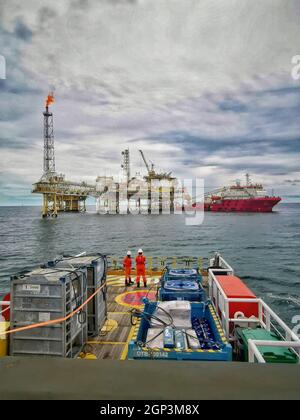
(181, 285)
(182, 272)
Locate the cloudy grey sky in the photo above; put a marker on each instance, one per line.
(203, 86)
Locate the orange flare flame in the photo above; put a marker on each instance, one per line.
(50, 99)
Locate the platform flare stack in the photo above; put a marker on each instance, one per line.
(58, 193)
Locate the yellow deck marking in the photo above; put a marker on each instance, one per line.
(133, 276)
(118, 313)
(129, 338)
(121, 282)
(109, 326)
(115, 279)
(219, 326)
(116, 283)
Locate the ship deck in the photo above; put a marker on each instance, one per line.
(47, 379)
(112, 377)
(112, 341)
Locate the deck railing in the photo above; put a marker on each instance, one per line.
(267, 318)
(255, 355)
(223, 266)
(158, 263)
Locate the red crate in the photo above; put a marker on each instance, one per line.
(233, 287)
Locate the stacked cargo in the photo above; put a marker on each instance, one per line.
(45, 295)
(181, 284)
(96, 268)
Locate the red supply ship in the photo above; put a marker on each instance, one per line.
(250, 197)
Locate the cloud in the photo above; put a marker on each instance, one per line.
(203, 87)
(22, 31)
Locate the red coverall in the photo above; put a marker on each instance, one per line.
(127, 267)
(140, 261)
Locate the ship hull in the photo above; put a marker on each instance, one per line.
(253, 205)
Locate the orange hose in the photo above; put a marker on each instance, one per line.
(57, 320)
(4, 310)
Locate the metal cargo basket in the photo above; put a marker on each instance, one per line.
(44, 295)
(96, 268)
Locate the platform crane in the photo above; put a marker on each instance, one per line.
(151, 171)
(152, 174)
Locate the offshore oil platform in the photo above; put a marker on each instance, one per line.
(156, 192)
(58, 193)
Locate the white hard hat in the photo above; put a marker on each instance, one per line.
(128, 252)
(140, 251)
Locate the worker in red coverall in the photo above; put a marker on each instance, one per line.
(127, 263)
(140, 261)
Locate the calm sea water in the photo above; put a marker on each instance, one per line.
(262, 248)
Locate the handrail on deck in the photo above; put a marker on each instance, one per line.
(158, 263)
(223, 265)
(253, 351)
(267, 318)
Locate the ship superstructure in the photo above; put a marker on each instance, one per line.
(248, 197)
